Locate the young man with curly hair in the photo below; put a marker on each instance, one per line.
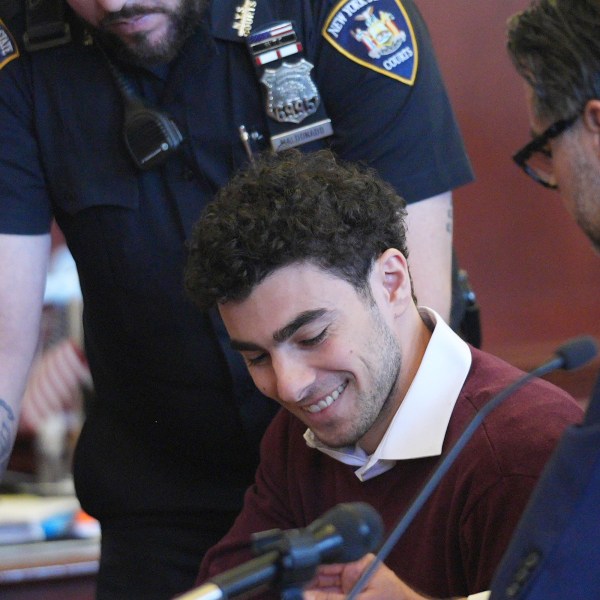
(305, 257)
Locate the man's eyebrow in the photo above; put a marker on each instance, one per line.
(281, 334)
(242, 346)
(302, 319)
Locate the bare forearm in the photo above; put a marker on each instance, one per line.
(429, 238)
(23, 267)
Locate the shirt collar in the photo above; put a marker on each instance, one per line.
(419, 425)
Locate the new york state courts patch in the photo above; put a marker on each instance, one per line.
(376, 34)
(8, 48)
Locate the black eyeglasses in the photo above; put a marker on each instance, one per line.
(536, 157)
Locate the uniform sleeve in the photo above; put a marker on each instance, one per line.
(405, 129)
(25, 204)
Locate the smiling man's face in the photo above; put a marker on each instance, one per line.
(322, 350)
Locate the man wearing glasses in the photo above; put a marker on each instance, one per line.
(555, 47)
(535, 158)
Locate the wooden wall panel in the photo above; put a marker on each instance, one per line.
(535, 273)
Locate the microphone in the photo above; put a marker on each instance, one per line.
(345, 533)
(569, 356)
(573, 354)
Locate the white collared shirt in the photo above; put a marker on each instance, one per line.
(419, 425)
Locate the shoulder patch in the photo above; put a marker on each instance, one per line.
(8, 47)
(376, 34)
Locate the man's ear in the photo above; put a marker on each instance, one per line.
(393, 270)
(591, 122)
(591, 116)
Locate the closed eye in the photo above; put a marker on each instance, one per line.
(253, 361)
(315, 340)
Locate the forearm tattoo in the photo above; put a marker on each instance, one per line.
(7, 426)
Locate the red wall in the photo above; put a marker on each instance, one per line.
(535, 273)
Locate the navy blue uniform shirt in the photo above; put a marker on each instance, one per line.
(175, 425)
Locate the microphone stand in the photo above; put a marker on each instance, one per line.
(287, 560)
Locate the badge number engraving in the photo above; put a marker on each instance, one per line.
(292, 95)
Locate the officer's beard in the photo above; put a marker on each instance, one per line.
(138, 49)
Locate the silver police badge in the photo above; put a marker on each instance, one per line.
(292, 95)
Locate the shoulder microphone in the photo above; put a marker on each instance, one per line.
(151, 136)
(289, 558)
(569, 356)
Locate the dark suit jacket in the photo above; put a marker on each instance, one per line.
(555, 551)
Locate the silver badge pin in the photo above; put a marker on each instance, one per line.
(292, 95)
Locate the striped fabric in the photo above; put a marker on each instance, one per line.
(55, 383)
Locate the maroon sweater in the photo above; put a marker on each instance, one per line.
(455, 542)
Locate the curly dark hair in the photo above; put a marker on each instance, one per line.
(555, 47)
(287, 208)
